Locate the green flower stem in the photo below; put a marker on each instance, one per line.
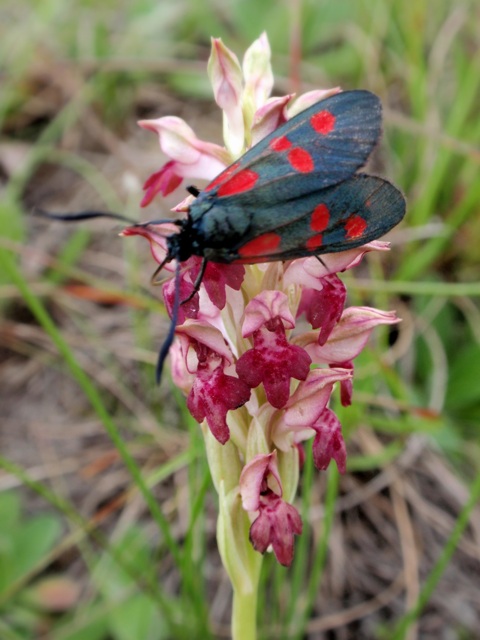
(244, 614)
(242, 563)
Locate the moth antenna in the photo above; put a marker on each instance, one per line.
(82, 215)
(171, 332)
(198, 281)
(176, 221)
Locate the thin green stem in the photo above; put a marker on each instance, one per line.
(418, 288)
(244, 615)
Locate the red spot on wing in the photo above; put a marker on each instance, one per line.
(260, 246)
(355, 226)
(320, 218)
(323, 122)
(238, 183)
(222, 177)
(280, 144)
(301, 160)
(314, 242)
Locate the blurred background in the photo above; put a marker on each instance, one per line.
(107, 514)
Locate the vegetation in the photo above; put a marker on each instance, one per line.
(107, 515)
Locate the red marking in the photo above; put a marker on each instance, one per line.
(222, 177)
(301, 160)
(314, 242)
(355, 226)
(240, 182)
(280, 144)
(263, 245)
(320, 218)
(323, 122)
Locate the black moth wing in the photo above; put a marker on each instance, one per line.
(218, 220)
(354, 212)
(336, 154)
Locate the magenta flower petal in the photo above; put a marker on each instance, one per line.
(308, 272)
(204, 341)
(193, 157)
(157, 239)
(217, 277)
(189, 156)
(278, 521)
(274, 362)
(181, 377)
(267, 306)
(323, 309)
(188, 310)
(214, 394)
(276, 525)
(258, 475)
(346, 386)
(348, 337)
(311, 397)
(329, 443)
(305, 406)
(163, 181)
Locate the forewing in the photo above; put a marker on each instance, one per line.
(320, 147)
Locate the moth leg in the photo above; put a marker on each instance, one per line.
(322, 262)
(198, 281)
(153, 279)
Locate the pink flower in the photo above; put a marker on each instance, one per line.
(226, 77)
(258, 72)
(323, 309)
(305, 407)
(217, 277)
(163, 181)
(269, 117)
(277, 521)
(328, 443)
(348, 337)
(189, 309)
(272, 361)
(276, 525)
(190, 157)
(213, 392)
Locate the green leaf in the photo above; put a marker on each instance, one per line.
(33, 541)
(9, 512)
(463, 388)
(137, 617)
